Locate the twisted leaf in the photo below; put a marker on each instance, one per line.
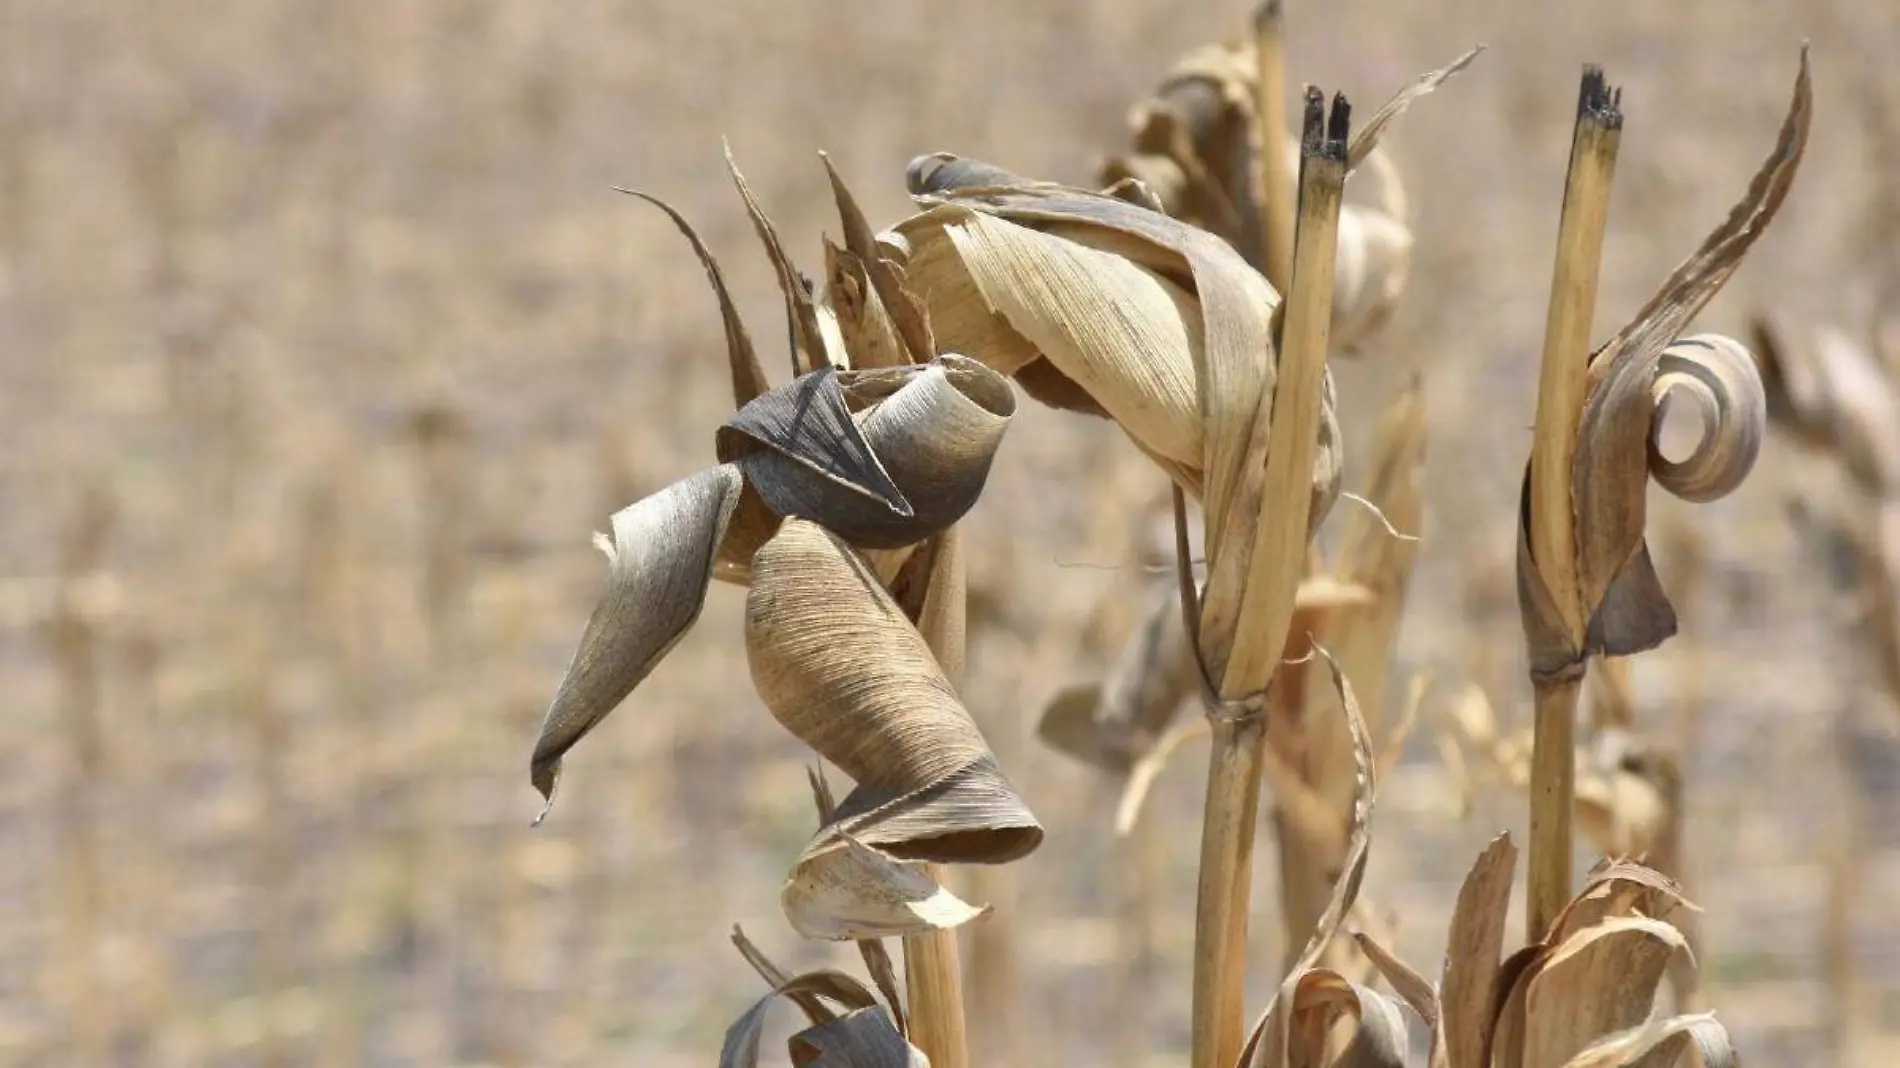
(841, 667)
(660, 559)
(884, 457)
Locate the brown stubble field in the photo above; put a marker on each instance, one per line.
(325, 344)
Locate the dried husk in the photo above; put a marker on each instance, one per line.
(840, 666)
(1195, 148)
(1631, 379)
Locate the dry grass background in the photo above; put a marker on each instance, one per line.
(324, 345)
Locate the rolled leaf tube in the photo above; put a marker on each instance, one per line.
(885, 458)
(841, 667)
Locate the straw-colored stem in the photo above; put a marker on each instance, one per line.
(932, 976)
(1561, 391)
(1274, 178)
(1553, 791)
(1278, 561)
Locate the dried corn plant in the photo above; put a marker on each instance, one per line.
(834, 503)
(1213, 147)
(1586, 585)
(1108, 307)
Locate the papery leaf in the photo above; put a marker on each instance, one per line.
(1599, 980)
(741, 1047)
(660, 560)
(1659, 1042)
(865, 328)
(808, 348)
(1102, 320)
(1373, 128)
(861, 1039)
(1381, 1035)
(807, 425)
(884, 457)
(843, 889)
(748, 377)
(1469, 985)
(840, 666)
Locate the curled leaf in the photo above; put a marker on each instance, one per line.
(741, 1047)
(863, 1038)
(1623, 604)
(660, 558)
(884, 457)
(840, 666)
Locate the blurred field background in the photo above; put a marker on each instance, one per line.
(325, 345)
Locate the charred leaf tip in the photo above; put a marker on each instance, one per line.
(1598, 101)
(1325, 135)
(1269, 14)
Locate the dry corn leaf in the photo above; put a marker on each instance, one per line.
(884, 276)
(864, 1038)
(809, 351)
(748, 377)
(1631, 379)
(1597, 973)
(1660, 1042)
(1469, 984)
(840, 666)
(660, 561)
